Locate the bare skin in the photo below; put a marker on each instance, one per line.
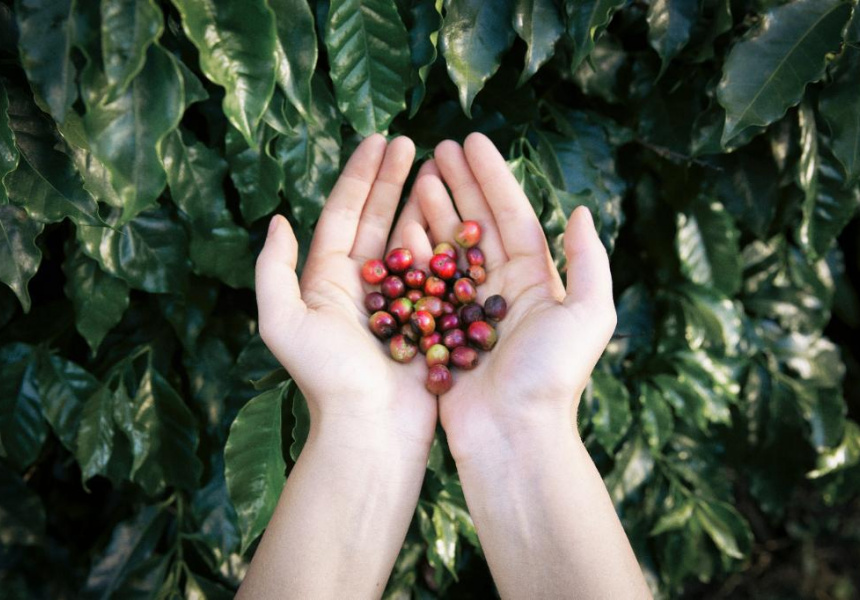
(542, 513)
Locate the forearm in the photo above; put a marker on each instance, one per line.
(546, 523)
(341, 519)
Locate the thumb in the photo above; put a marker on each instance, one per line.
(279, 300)
(589, 280)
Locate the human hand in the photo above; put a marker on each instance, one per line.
(317, 328)
(528, 387)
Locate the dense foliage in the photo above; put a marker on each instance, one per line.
(145, 431)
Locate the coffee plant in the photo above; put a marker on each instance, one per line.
(145, 430)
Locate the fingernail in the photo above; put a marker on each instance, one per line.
(273, 224)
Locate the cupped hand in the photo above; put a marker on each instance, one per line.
(551, 338)
(317, 327)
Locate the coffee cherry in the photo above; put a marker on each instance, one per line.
(382, 324)
(392, 287)
(468, 234)
(402, 348)
(373, 271)
(464, 358)
(465, 290)
(443, 266)
(495, 308)
(482, 335)
(415, 278)
(374, 301)
(428, 341)
(414, 295)
(437, 355)
(475, 257)
(435, 287)
(431, 304)
(401, 308)
(451, 298)
(477, 273)
(447, 249)
(454, 338)
(409, 332)
(448, 308)
(446, 322)
(398, 260)
(439, 380)
(471, 313)
(423, 322)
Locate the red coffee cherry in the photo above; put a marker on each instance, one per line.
(468, 234)
(402, 348)
(373, 271)
(382, 324)
(398, 260)
(464, 358)
(482, 335)
(374, 301)
(392, 287)
(439, 380)
(437, 355)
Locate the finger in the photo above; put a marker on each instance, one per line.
(589, 280)
(335, 232)
(437, 208)
(412, 210)
(279, 301)
(519, 227)
(378, 214)
(415, 238)
(469, 198)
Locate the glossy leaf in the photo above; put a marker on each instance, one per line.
(169, 437)
(97, 436)
(8, 151)
(846, 454)
(128, 28)
(125, 131)
(22, 516)
(474, 36)
(22, 428)
(369, 56)
(258, 177)
(64, 387)
(218, 247)
(839, 104)
(254, 462)
(539, 25)
(46, 33)
(445, 538)
(423, 40)
(99, 299)
(633, 467)
(674, 519)
(586, 22)
(827, 212)
(728, 529)
(19, 255)
(612, 417)
(237, 45)
(767, 72)
(296, 48)
(711, 320)
(707, 245)
(148, 253)
(656, 416)
(670, 23)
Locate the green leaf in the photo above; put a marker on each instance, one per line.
(296, 48)
(8, 151)
(132, 542)
(601, 74)
(612, 417)
(707, 245)
(168, 433)
(45, 42)
(98, 440)
(539, 24)
(128, 28)
(125, 131)
(674, 519)
(99, 299)
(258, 177)
(311, 158)
(423, 39)
(198, 587)
(843, 456)
(445, 539)
(301, 425)
(670, 23)
(767, 72)
(22, 428)
(633, 467)
(149, 253)
(237, 45)
(586, 21)
(824, 410)
(726, 527)
(219, 247)
(22, 516)
(839, 104)
(64, 387)
(19, 255)
(658, 424)
(474, 36)
(254, 462)
(711, 320)
(368, 51)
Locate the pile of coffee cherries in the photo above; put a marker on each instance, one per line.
(435, 313)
